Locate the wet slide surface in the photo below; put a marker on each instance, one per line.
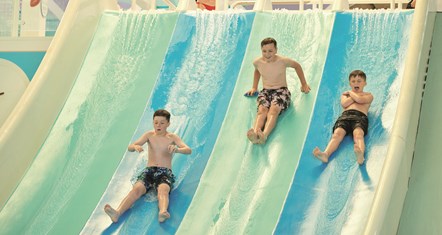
(88, 139)
(243, 186)
(141, 62)
(196, 83)
(335, 198)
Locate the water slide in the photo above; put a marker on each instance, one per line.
(196, 83)
(133, 64)
(336, 197)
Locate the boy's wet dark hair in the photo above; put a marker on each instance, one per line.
(266, 41)
(162, 113)
(357, 73)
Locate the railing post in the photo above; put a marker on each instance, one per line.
(221, 5)
(152, 5)
(263, 5)
(340, 5)
(392, 5)
(186, 5)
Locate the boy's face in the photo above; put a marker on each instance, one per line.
(160, 124)
(357, 84)
(268, 51)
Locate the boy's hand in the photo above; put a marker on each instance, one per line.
(305, 89)
(251, 92)
(172, 148)
(138, 148)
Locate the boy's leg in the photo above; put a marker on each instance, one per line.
(260, 120)
(333, 144)
(163, 202)
(359, 148)
(137, 191)
(252, 136)
(272, 117)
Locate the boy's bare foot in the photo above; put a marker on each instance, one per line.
(321, 156)
(112, 213)
(359, 155)
(261, 137)
(162, 216)
(251, 135)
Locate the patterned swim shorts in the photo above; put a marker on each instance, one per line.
(153, 176)
(280, 97)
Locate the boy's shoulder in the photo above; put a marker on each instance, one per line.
(367, 93)
(172, 135)
(257, 60)
(149, 133)
(285, 59)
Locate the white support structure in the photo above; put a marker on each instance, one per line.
(143, 5)
(33, 21)
(340, 5)
(55, 9)
(263, 5)
(15, 19)
(221, 5)
(390, 194)
(186, 5)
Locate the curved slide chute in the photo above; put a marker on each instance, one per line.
(243, 186)
(196, 83)
(335, 198)
(198, 65)
(91, 133)
(39, 106)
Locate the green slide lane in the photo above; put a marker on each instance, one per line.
(243, 187)
(86, 143)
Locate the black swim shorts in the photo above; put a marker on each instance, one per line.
(153, 176)
(350, 120)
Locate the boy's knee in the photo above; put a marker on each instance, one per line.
(139, 189)
(339, 133)
(274, 110)
(358, 133)
(163, 189)
(262, 110)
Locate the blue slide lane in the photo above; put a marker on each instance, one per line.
(196, 83)
(335, 198)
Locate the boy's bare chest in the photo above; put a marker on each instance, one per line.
(160, 144)
(272, 70)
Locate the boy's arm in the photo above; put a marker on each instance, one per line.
(180, 146)
(304, 86)
(346, 100)
(364, 98)
(136, 146)
(256, 77)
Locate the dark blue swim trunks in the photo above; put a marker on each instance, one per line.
(153, 176)
(280, 97)
(350, 120)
